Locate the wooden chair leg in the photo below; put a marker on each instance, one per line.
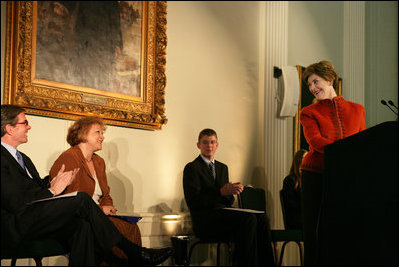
(300, 253)
(276, 256)
(218, 254)
(191, 252)
(230, 252)
(38, 261)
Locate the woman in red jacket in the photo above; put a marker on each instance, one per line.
(329, 119)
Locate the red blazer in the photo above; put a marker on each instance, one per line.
(325, 122)
(84, 182)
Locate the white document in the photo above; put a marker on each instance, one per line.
(244, 210)
(72, 194)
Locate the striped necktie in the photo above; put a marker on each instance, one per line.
(212, 169)
(20, 160)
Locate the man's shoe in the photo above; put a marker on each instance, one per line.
(151, 256)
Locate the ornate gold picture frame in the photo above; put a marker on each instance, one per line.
(33, 31)
(305, 98)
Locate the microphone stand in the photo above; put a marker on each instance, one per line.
(392, 104)
(385, 104)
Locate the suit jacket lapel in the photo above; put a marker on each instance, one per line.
(218, 172)
(32, 170)
(28, 164)
(13, 160)
(205, 169)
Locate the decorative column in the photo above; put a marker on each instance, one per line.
(354, 51)
(276, 132)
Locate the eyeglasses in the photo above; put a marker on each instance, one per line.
(24, 122)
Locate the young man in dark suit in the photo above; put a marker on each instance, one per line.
(207, 191)
(75, 221)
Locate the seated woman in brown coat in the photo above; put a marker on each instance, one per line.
(86, 136)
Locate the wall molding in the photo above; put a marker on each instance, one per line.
(276, 146)
(277, 132)
(354, 51)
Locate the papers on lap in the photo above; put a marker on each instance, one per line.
(72, 194)
(245, 210)
(131, 219)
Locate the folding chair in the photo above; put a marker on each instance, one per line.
(255, 198)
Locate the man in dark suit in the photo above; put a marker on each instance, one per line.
(207, 191)
(75, 221)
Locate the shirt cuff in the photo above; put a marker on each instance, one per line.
(51, 191)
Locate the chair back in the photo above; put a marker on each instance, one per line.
(255, 198)
(252, 198)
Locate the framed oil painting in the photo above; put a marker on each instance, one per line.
(305, 98)
(69, 59)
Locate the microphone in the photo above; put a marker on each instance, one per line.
(385, 104)
(392, 104)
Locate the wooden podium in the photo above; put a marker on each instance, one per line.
(358, 223)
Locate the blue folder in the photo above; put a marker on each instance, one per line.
(131, 219)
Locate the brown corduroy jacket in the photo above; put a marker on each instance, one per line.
(84, 182)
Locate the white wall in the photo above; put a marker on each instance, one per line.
(212, 81)
(381, 60)
(315, 33)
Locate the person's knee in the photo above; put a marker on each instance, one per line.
(247, 228)
(84, 204)
(250, 221)
(83, 195)
(84, 199)
(263, 219)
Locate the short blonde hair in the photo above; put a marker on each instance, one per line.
(78, 131)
